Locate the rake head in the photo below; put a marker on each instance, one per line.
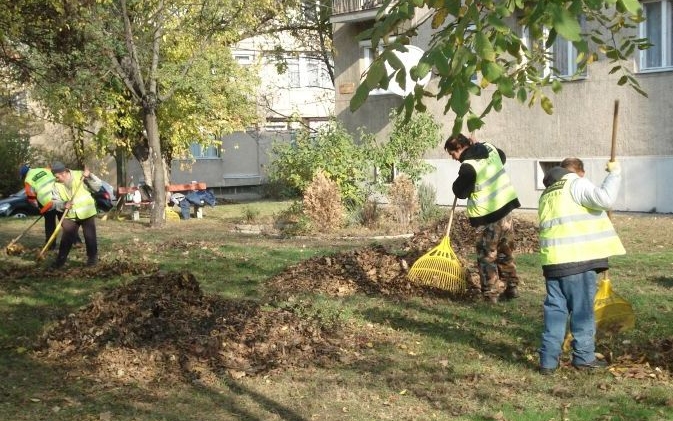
(613, 313)
(439, 268)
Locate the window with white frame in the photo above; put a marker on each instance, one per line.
(541, 170)
(368, 55)
(563, 54)
(317, 75)
(306, 72)
(204, 152)
(293, 73)
(658, 28)
(244, 59)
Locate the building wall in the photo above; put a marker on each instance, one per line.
(581, 126)
(644, 187)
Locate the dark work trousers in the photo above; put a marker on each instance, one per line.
(70, 234)
(50, 218)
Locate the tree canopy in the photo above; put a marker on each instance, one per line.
(481, 38)
(149, 76)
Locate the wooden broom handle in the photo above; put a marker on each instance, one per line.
(613, 148)
(613, 154)
(453, 207)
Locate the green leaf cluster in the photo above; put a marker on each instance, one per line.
(332, 150)
(406, 145)
(479, 44)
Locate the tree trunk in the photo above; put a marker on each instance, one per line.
(158, 214)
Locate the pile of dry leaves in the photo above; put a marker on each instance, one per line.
(163, 327)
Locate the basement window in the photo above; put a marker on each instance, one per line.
(541, 168)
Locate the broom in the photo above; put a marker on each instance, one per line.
(613, 313)
(440, 266)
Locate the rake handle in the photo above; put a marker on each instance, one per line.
(23, 233)
(453, 208)
(60, 222)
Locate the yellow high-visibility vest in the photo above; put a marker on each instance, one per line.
(42, 181)
(493, 188)
(570, 232)
(83, 204)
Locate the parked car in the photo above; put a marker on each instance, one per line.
(17, 205)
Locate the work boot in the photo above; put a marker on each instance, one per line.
(57, 264)
(92, 261)
(511, 292)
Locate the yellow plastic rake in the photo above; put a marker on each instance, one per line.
(440, 266)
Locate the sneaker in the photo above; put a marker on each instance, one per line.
(545, 371)
(595, 364)
(511, 293)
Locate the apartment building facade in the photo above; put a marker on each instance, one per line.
(581, 124)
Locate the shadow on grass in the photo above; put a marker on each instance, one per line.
(664, 281)
(469, 329)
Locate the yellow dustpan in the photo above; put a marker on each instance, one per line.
(440, 267)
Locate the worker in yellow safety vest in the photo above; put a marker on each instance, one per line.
(576, 239)
(484, 182)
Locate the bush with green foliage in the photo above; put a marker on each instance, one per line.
(332, 149)
(407, 144)
(293, 220)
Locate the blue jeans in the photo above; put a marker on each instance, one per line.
(569, 295)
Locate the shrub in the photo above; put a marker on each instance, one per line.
(404, 199)
(293, 165)
(322, 203)
(250, 214)
(293, 220)
(427, 200)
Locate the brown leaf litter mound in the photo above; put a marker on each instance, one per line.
(376, 270)
(162, 327)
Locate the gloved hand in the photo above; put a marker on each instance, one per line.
(613, 167)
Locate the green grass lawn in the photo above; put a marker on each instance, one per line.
(444, 359)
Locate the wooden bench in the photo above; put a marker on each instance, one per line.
(126, 197)
(186, 188)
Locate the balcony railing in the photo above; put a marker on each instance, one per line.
(352, 6)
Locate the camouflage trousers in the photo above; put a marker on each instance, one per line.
(495, 246)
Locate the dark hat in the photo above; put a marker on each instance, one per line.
(23, 170)
(554, 175)
(57, 167)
